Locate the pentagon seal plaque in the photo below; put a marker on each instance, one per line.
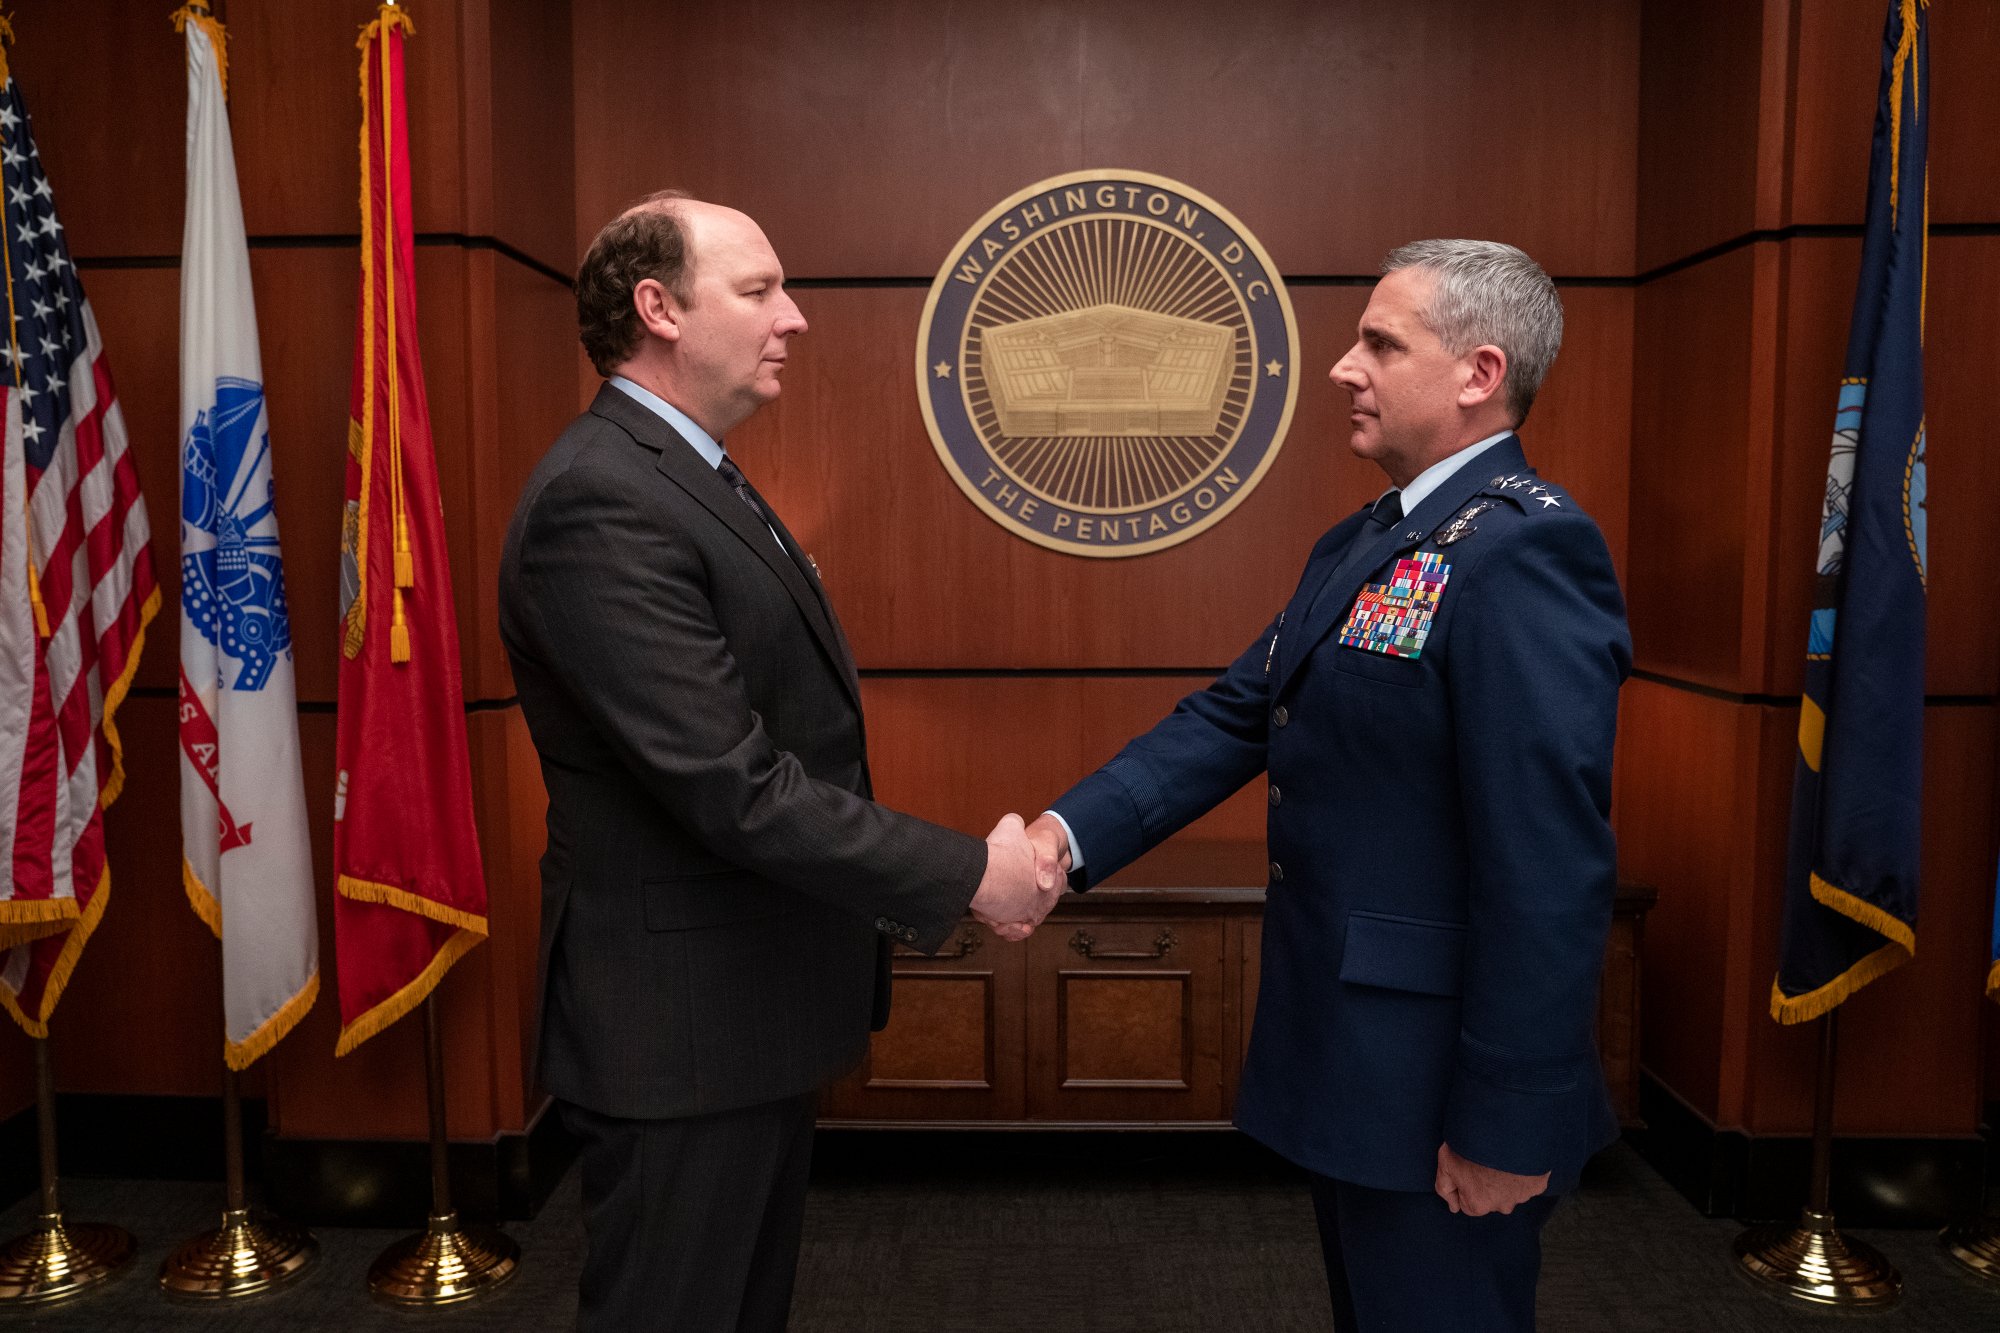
(1107, 363)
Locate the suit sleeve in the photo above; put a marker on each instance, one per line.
(1541, 649)
(1211, 744)
(623, 615)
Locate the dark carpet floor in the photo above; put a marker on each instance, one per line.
(935, 1234)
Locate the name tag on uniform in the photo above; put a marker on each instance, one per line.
(1394, 618)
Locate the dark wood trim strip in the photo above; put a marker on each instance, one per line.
(1792, 700)
(468, 241)
(345, 241)
(1878, 1181)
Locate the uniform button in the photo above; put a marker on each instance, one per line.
(910, 933)
(1281, 717)
(1277, 873)
(1277, 797)
(881, 923)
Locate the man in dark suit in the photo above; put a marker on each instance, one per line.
(719, 893)
(1435, 710)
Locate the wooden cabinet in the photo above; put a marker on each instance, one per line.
(1129, 1007)
(953, 1049)
(1125, 1018)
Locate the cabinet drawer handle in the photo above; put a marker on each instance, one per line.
(969, 942)
(1083, 943)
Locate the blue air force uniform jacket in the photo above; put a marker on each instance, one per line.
(1435, 711)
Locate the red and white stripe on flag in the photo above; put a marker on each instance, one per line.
(76, 593)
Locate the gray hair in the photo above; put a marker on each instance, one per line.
(1489, 292)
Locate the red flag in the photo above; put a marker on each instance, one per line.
(76, 589)
(411, 897)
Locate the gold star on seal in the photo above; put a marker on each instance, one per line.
(942, 370)
(1274, 368)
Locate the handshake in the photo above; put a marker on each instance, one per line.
(1027, 867)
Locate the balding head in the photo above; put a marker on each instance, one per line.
(687, 299)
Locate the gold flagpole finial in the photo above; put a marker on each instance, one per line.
(390, 15)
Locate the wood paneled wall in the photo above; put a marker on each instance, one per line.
(1755, 125)
(1652, 156)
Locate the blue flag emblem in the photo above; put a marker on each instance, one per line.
(233, 583)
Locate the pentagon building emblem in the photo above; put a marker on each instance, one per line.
(1107, 363)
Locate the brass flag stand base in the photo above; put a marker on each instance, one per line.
(1976, 1247)
(1813, 1261)
(57, 1260)
(444, 1263)
(249, 1253)
(245, 1255)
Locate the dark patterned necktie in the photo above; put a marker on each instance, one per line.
(739, 483)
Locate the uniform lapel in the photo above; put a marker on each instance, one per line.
(688, 470)
(1328, 605)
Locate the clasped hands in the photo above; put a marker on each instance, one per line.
(1027, 867)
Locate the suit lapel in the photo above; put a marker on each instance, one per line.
(687, 469)
(1328, 605)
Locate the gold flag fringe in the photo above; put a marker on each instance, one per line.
(409, 997)
(115, 696)
(240, 1055)
(201, 899)
(79, 935)
(1900, 948)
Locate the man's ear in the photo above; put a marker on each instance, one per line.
(658, 312)
(1488, 367)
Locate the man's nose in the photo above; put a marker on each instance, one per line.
(791, 320)
(1345, 373)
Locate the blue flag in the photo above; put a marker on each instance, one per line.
(1993, 973)
(1851, 878)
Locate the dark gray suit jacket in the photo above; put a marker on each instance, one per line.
(719, 892)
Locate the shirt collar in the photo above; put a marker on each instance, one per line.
(1439, 472)
(709, 448)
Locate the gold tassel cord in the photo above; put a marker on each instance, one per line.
(218, 37)
(6, 40)
(1905, 62)
(361, 433)
(402, 565)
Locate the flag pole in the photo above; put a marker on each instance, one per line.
(250, 1252)
(57, 1260)
(1813, 1261)
(445, 1263)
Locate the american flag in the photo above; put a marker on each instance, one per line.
(76, 591)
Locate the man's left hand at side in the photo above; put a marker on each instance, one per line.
(1475, 1190)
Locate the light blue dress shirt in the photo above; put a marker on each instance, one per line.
(710, 449)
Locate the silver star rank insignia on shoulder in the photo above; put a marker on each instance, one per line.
(1462, 527)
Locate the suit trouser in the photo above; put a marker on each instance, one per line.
(1401, 1262)
(693, 1224)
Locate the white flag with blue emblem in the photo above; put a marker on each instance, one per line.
(247, 857)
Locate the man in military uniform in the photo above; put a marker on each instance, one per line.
(1435, 711)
